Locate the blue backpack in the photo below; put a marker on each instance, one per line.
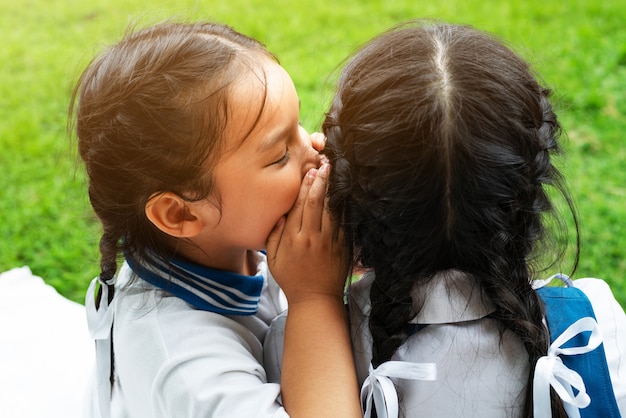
(564, 306)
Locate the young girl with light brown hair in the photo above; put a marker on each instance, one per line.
(195, 157)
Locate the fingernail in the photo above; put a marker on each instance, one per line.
(323, 171)
(312, 173)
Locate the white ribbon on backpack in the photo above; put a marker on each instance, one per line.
(550, 371)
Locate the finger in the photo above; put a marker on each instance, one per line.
(294, 217)
(314, 206)
(318, 140)
(273, 240)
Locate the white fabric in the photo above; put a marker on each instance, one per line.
(612, 323)
(379, 389)
(479, 374)
(46, 355)
(551, 372)
(100, 322)
(172, 360)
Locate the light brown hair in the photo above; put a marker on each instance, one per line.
(150, 112)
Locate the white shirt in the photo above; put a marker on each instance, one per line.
(479, 372)
(172, 360)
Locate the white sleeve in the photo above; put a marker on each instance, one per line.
(612, 322)
(222, 378)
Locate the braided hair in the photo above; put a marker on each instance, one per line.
(441, 140)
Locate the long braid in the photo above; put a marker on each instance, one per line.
(392, 306)
(108, 264)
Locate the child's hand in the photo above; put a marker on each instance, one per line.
(303, 256)
(318, 141)
(311, 267)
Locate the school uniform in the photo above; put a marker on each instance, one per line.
(477, 370)
(457, 362)
(186, 343)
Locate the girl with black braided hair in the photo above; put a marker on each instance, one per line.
(441, 142)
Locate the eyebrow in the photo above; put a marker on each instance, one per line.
(274, 138)
(277, 136)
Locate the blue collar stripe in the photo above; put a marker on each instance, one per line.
(239, 286)
(204, 288)
(207, 300)
(235, 288)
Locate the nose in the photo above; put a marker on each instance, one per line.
(311, 157)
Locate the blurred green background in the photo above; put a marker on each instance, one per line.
(578, 47)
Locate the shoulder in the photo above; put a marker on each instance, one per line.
(188, 362)
(607, 310)
(162, 320)
(597, 290)
(612, 324)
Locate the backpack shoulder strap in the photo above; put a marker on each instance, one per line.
(564, 306)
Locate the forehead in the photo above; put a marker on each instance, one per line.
(259, 101)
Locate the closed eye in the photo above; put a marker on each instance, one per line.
(283, 159)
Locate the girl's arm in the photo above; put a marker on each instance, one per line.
(318, 375)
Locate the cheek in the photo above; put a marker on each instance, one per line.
(291, 188)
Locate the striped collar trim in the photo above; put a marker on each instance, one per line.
(205, 288)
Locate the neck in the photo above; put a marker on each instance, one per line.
(231, 260)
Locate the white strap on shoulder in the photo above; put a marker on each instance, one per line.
(100, 322)
(550, 371)
(379, 389)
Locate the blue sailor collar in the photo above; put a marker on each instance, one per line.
(204, 288)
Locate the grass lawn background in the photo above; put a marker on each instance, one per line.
(579, 48)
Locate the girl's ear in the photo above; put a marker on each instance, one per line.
(174, 215)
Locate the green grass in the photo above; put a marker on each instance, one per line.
(578, 47)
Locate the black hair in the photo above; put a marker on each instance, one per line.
(441, 142)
